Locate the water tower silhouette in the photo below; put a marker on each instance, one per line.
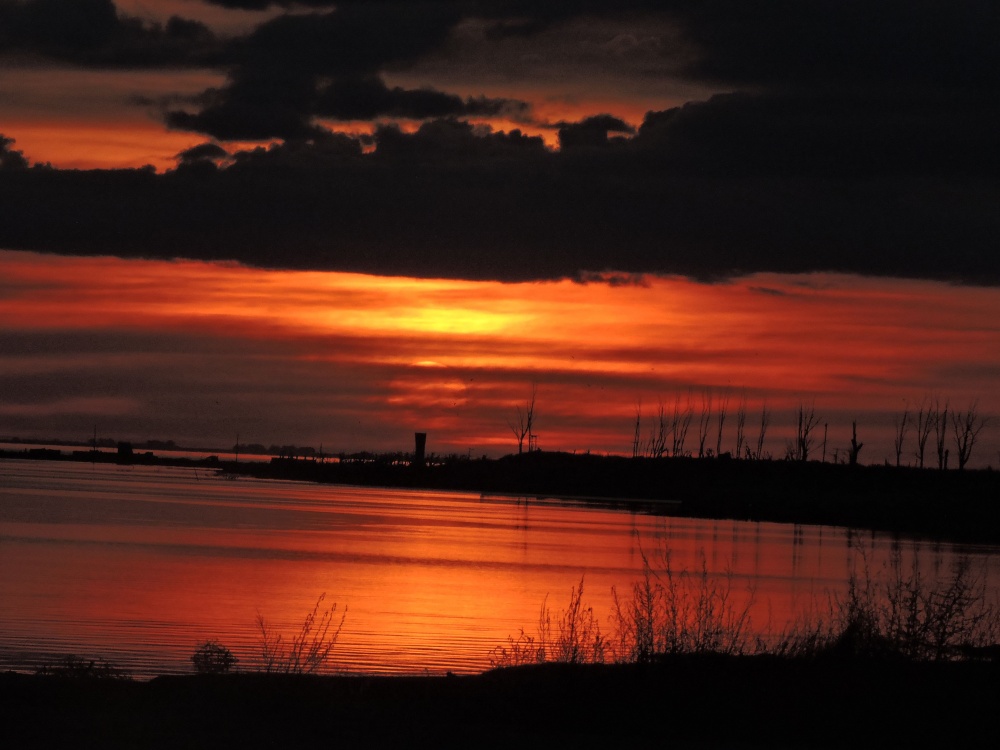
(420, 448)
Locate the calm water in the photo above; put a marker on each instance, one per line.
(138, 565)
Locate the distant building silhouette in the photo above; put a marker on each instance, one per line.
(419, 451)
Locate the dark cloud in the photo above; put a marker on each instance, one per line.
(10, 159)
(592, 132)
(210, 151)
(858, 137)
(452, 201)
(830, 135)
(259, 103)
(205, 158)
(454, 144)
(276, 85)
(93, 32)
(265, 4)
(824, 43)
(368, 98)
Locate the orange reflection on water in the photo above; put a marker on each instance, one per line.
(139, 565)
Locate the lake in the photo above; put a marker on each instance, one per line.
(138, 565)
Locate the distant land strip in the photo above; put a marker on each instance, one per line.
(951, 505)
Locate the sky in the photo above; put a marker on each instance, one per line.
(340, 223)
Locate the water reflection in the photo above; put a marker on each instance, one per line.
(137, 565)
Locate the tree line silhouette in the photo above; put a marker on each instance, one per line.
(665, 433)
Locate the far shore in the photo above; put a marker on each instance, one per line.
(949, 505)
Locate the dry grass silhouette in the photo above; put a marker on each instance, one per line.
(896, 611)
(308, 650)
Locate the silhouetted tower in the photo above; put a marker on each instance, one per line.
(420, 439)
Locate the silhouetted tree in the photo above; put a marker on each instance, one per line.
(765, 420)
(660, 433)
(704, 422)
(967, 426)
(855, 445)
(900, 423)
(637, 434)
(741, 421)
(525, 419)
(925, 421)
(653, 446)
(941, 434)
(720, 422)
(679, 425)
(804, 439)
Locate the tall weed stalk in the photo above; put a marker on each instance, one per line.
(575, 639)
(309, 649)
(678, 612)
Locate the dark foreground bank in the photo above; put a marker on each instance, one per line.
(692, 701)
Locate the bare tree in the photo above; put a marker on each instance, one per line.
(637, 435)
(657, 444)
(926, 416)
(522, 425)
(967, 426)
(765, 420)
(855, 445)
(720, 422)
(680, 424)
(704, 422)
(804, 439)
(741, 421)
(941, 434)
(900, 423)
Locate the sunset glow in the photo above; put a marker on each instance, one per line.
(456, 357)
(438, 310)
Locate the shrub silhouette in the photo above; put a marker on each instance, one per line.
(78, 668)
(671, 612)
(902, 612)
(897, 612)
(577, 638)
(308, 650)
(213, 658)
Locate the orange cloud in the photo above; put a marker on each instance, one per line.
(389, 355)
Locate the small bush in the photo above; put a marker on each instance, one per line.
(518, 652)
(897, 612)
(308, 650)
(77, 668)
(902, 613)
(671, 612)
(577, 639)
(213, 658)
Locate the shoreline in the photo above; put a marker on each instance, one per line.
(952, 505)
(687, 701)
